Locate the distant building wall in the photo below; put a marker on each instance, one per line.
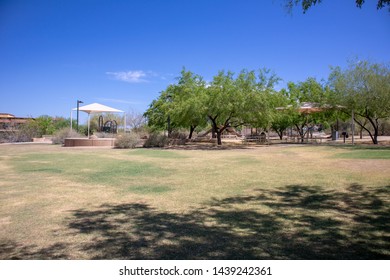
(10, 122)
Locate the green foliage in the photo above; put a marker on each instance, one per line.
(312, 93)
(179, 106)
(249, 98)
(186, 102)
(363, 88)
(281, 114)
(158, 112)
(228, 100)
(43, 125)
(234, 101)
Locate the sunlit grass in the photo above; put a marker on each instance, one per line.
(270, 192)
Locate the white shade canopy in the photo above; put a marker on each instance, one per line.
(97, 108)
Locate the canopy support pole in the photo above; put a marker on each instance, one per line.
(353, 128)
(71, 113)
(124, 125)
(88, 123)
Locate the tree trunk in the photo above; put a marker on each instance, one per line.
(218, 130)
(192, 129)
(376, 133)
(219, 138)
(213, 132)
(280, 133)
(301, 133)
(375, 125)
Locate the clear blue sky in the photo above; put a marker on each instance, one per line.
(123, 53)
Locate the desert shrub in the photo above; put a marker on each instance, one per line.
(60, 135)
(156, 140)
(7, 136)
(178, 138)
(178, 135)
(26, 132)
(127, 141)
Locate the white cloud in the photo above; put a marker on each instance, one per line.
(137, 76)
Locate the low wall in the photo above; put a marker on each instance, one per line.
(98, 142)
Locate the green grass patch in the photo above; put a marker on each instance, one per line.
(145, 189)
(154, 153)
(244, 160)
(365, 154)
(86, 168)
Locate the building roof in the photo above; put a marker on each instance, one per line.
(6, 115)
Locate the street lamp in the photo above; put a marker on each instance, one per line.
(78, 104)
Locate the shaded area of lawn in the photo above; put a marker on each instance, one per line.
(293, 222)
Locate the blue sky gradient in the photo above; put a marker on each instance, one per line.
(124, 53)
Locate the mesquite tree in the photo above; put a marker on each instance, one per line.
(363, 89)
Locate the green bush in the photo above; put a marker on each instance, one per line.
(60, 135)
(127, 141)
(156, 140)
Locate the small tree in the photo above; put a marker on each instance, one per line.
(136, 121)
(186, 101)
(158, 114)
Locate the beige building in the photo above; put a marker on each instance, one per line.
(10, 122)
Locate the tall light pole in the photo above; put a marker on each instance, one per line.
(78, 104)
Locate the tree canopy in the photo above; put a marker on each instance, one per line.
(179, 105)
(312, 92)
(249, 98)
(363, 88)
(228, 100)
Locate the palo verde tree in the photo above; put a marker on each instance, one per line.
(363, 89)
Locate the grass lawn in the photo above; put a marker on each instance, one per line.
(271, 202)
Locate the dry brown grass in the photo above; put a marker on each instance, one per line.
(258, 202)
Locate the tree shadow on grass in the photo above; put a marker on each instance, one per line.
(15, 251)
(293, 222)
